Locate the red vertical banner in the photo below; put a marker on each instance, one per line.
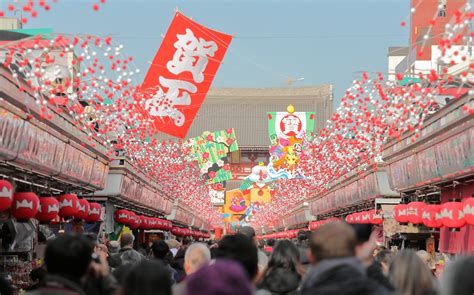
(181, 75)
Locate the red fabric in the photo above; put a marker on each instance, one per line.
(461, 242)
(189, 57)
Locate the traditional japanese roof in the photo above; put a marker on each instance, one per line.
(245, 109)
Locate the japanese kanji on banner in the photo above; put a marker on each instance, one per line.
(181, 74)
(288, 132)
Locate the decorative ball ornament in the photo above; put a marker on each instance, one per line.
(6, 195)
(122, 216)
(468, 209)
(24, 206)
(415, 211)
(68, 205)
(400, 213)
(82, 209)
(48, 209)
(452, 215)
(431, 216)
(95, 211)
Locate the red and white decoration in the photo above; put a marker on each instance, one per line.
(6, 195)
(25, 205)
(48, 209)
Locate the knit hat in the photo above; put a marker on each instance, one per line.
(223, 277)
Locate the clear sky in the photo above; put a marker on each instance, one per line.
(322, 41)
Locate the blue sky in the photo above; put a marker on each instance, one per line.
(328, 41)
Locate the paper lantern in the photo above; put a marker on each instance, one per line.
(400, 213)
(415, 211)
(6, 195)
(144, 222)
(68, 205)
(452, 215)
(366, 217)
(25, 205)
(357, 218)
(431, 216)
(377, 217)
(122, 216)
(82, 209)
(48, 209)
(95, 211)
(468, 209)
(350, 218)
(135, 221)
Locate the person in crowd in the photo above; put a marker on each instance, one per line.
(269, 246)
(336, 269)
(73, 268)
(161, 251)
(284, 271)
(241, 249)
(223, 277)
(178, 260)
(302, 245)
(147, 278)
(427, 259)
(197, 255)
(102, 250)
(384, 257)
(5, 286)
(126, 243)
(457, 279)
(365, 248)
(410, 275)
(128, 260)
(114, 259)
(249, 232)
(174, 246)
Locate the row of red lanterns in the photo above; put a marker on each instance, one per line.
(27, 205)
(317, 224)
(451, 214)
(365, 217)
(287, 234)
(135, 221)
(185, 232)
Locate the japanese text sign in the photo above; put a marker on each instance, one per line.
(181, 74)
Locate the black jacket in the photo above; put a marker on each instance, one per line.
(57, 285)
(280, 281)
(340, 276)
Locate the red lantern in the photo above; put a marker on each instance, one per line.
(68, 205)
(95, 211)
(25, 205)
(432, 216)
(136, 222)
(452, 215)
(48, 209)
(357, 218)
(377, 217)
(400, 213)
(468, 209)
(144, 222)
(415, 211)
(350, 218)
(82, 209)
(6, 195)
(122, 216)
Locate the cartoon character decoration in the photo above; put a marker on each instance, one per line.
(257, 185)
(210, 150)
(235, 202)
(288, 132)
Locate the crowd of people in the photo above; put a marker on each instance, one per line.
(337, 258)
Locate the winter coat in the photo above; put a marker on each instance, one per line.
(280, 281)
(56, 285)
(340, 276)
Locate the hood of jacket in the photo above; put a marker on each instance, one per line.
(339, 276)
